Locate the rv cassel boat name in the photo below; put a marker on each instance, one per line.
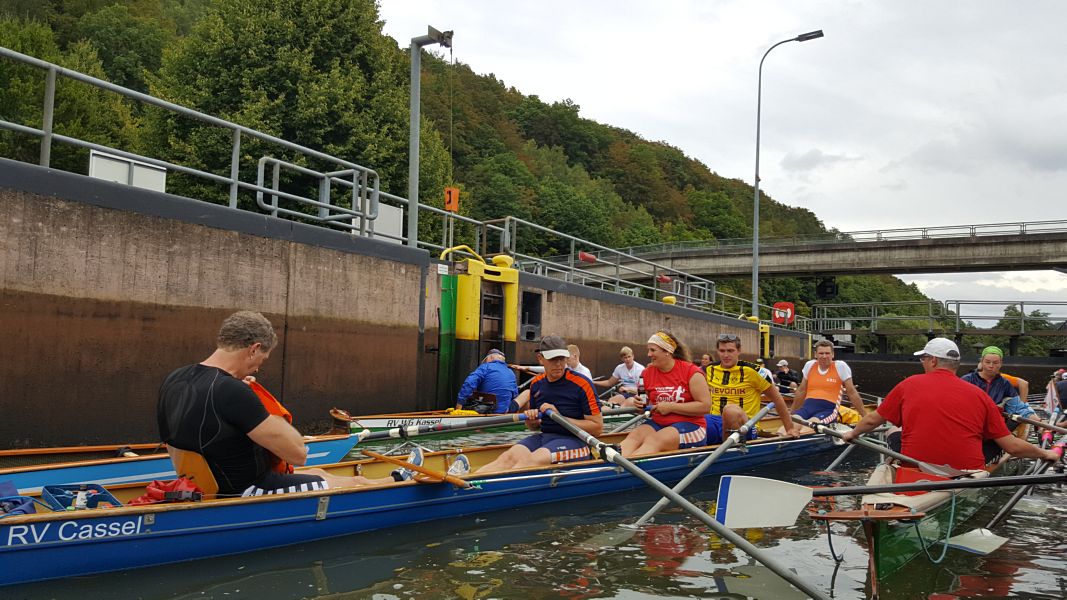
(68, 531)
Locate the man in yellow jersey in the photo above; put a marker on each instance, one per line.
(736, 392)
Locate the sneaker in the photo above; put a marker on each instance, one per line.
(461, 465)
(404, 474)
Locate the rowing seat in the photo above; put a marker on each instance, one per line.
(194, 467)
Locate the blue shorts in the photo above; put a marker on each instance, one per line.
(823, 411)
(715, 430)
(564, 448)
(690, 435)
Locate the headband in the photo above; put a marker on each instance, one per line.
(992, 350)
(664, 341)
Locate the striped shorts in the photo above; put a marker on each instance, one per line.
(284, 483)
(823, 411)
(563, 447)
(690, 435)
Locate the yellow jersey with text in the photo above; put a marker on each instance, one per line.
(740, 384)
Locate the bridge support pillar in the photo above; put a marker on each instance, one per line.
(1013, 345)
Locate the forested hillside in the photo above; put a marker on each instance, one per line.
(321, 73)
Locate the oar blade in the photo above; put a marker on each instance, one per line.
(977, 541)
(756, 502)
(616, 536)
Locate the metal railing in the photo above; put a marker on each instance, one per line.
(867, 316)
(1024, 322)
(349, 196)
(364, 181)
(872, 235)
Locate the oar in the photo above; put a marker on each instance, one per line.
(1036, 423)
(1040, 468)
(461, 424)
(941, 470)
(731, 440)
(611, 455)
(785, 501)
(633, 421)
(456, 481)
(844, 454)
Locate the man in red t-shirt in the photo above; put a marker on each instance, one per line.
(945, 418)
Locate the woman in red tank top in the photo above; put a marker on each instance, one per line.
(677, 396)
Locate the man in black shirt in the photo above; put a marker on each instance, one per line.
(788, 379)
(207, 408)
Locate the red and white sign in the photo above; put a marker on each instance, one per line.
(784, 313)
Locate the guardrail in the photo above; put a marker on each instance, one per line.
(872, 235)
(952, 317)
(1022, 323)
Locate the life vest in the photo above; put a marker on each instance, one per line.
(275, 408)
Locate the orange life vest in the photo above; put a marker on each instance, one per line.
(275, 408)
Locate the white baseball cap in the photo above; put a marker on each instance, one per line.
(940, 348)
(553, 346)
(783, 363)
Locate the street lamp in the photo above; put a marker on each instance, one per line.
(414, 121)
(811, 35)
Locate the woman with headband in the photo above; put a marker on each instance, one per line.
(677, 396)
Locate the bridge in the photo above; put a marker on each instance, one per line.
(984, 247)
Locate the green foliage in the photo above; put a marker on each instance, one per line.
(128, 46)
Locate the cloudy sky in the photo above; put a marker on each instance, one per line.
(908, 113)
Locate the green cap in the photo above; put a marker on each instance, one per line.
(992, 350)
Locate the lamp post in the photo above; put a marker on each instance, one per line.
(811, 35)
(414, 121)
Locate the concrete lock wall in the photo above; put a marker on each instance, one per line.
(106, 289)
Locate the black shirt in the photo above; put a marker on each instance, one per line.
(206, 410)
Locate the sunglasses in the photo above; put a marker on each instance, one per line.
(729, 337)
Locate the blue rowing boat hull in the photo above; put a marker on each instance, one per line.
(141, 469)
(57, 545)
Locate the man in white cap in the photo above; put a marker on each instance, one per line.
(788, 379)
(944, 418)
(567, 393)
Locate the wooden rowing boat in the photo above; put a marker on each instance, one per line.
(900, 528)
(51, 545)
(344, 422)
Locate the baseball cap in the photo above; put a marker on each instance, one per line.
(940, 348)
(553, 346)
(759, 360)
(783, 363)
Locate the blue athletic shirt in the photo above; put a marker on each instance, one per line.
(572, 394)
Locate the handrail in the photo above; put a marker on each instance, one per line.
(871, 235)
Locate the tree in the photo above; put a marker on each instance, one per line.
(128, 46)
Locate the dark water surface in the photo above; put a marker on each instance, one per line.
(577, 550)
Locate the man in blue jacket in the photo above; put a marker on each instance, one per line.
(987, 377)
(494, 379)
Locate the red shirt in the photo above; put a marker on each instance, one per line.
(672, 386)
(945, 419)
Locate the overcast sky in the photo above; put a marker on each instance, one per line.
(908, 113)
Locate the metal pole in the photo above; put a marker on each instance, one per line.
(47, 117)
(235, 157)
(414, 124)
(755, 201)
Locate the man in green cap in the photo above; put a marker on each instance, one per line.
(988, 377)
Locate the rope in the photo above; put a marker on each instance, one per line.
(943, 542)
(830, 540)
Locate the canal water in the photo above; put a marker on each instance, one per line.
(577, 550)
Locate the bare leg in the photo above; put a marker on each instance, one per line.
(661, 441)
(508, 460)
(338, 481)
(635, 439)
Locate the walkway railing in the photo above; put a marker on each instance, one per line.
(873, 235)
(950, 318)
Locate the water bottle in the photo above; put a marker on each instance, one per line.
(81, 499)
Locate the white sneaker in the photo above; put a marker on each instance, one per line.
(461, 465)
(404, 474)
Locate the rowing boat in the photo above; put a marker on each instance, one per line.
(51, 545)
(342, 421)
(155, 464)
(900, 528)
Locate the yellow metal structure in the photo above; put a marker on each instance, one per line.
(469, 297)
